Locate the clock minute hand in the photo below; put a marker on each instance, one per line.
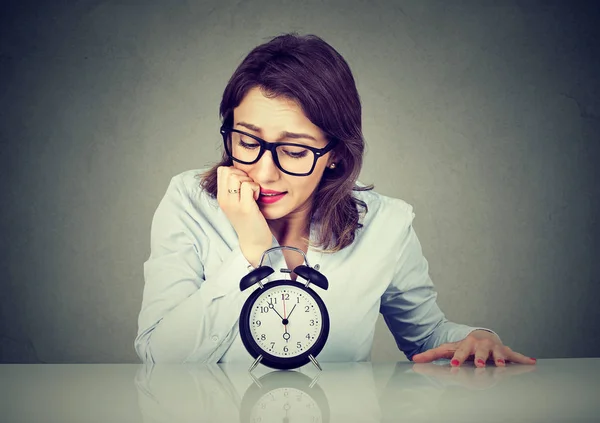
(272, 307)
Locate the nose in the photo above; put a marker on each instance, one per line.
(265, 170)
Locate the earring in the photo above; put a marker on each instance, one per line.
(332, 166)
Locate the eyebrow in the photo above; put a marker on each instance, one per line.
(282, 135)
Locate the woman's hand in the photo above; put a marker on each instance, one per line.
(237, 194)
(480, 345)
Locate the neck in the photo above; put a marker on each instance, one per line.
(290, 229)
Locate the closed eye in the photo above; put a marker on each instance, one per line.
(296, 154)
(247, 145)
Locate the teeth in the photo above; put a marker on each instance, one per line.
(269, 195)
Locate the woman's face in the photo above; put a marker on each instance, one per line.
(271, 119)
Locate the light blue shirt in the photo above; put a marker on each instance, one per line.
(192, 300)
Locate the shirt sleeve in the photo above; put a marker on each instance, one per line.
(185, 317)
(409, 305)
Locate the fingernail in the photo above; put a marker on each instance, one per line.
(531, 358)
(501, 361)
(480, 361)
(454, 362)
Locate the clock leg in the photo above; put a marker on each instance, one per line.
(255, 363)
(314, 361)
(255, 380)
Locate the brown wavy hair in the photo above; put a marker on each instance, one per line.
(313, 74)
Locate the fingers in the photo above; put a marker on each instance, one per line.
(483, 350)
(499, 356)
(463, 351)
(249, 192)
(443, 351)
(229, 180)
(519, 358)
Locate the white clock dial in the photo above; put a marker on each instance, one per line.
(285, 321)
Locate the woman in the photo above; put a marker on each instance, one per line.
(294, 96)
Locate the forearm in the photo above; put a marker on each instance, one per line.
(194, 331)
(185, 319)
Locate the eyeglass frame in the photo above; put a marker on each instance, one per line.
(271, 146)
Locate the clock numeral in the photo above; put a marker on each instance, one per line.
(285, 296)
(298, 345)
(258, 323)
(308, 336)
(263, 337)
(272, 344)
(285, 349)
(297, 300)
(306, 309)
(264, 309)
(312, 322)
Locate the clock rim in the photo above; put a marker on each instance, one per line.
(269, 360)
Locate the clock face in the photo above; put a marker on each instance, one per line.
(285, 321)
(284, 324)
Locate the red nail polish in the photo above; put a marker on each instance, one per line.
(454, 362)
(531, 358)
(501, 361)
(480, 361)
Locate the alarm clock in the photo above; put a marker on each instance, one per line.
(284, 324)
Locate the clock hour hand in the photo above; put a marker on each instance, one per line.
(291, 311)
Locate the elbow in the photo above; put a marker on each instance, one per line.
(153, 350)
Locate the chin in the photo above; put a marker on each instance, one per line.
(272, 215)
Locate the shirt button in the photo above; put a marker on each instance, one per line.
(214, 338)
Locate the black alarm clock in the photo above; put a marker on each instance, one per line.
(284, 324)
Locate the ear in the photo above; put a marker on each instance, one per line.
(331, 159)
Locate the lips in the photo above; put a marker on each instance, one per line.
(268, 196)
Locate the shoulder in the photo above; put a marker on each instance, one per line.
(186, 188)
(188, 182)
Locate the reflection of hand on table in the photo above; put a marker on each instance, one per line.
(469, 376)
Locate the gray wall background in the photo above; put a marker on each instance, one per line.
(484, 115)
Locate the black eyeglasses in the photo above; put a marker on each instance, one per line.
(293, 159)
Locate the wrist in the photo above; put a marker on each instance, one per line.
(483, 333)
(253, 254)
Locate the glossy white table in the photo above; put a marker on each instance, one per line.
(553, 390)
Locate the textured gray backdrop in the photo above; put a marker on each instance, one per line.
(484, 115)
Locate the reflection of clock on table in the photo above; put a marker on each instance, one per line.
(284, 324)
(284, 397)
